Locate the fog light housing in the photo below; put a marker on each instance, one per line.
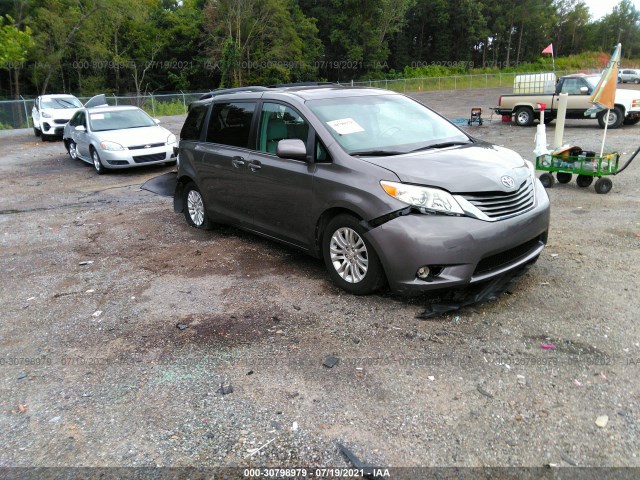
(423, 272)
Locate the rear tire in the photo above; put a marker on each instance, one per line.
(631, 121)
(563, 177)
(351, 261)
(603, 185)
(195, 210)
(523, 116)
(72, 148)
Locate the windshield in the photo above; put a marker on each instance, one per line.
(61, 102)
(384, 124)
(117, 120)
(593, 81)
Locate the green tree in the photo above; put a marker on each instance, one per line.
(14, 48)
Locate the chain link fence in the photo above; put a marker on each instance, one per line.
(17, 113)
(454, 82)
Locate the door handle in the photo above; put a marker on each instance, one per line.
(238, 162)
(255, 165)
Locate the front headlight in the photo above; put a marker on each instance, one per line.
(532, 168)
(425, 199)
(44, 114)
(111, 146)
(171, 139)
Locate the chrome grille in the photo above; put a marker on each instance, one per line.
(499, 205)
(148, 145)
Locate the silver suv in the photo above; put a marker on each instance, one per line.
(381, 187)
(629, 75)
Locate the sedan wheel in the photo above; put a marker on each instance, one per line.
(352, 263)
(97, 164)
(73, 150)
(194, 208)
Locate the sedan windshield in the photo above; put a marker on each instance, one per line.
(61, 102)
(118, 120)
(381, 125)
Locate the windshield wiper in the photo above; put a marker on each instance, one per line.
(376, 153)
(440, 145)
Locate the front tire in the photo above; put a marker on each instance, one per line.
(563, 177)
(352, 262)
(615, 118)
(36, 132)
(584, 181)
(547, 180)
(195, 210)
(523, 117)
(97, 163)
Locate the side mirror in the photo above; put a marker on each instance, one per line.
(157, 121)
(584, 90)
(80, 128)
(292, 148)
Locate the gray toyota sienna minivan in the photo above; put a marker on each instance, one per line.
(378, 185)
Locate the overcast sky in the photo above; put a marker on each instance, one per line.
(599, 8)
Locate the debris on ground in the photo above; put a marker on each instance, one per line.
(330, 362)
(484, 392)
(182, 326)
(602, 421)
(225, 389)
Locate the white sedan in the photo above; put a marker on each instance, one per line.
(118, 137)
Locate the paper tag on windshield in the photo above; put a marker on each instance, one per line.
(345, 126)
(97, 116)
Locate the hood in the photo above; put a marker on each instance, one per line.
(477, 167)
(132, 137)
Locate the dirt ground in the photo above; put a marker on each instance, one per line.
(120, 324)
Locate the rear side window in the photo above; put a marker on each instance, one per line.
(193, 124)
(230, 123)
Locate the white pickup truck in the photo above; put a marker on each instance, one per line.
(525, 109)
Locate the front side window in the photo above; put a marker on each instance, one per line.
(279, 122)
(572, 86)
(230, 123)
(384, 124)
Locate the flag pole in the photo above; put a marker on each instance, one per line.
(604, 136)
(553, 60)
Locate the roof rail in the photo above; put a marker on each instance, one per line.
(305, 84)
(224, 91)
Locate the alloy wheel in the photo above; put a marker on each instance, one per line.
(349, 255)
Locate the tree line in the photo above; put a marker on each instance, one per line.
(118, 46)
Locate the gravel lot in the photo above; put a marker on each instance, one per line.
(184, 312)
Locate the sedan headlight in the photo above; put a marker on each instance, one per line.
(111, 146)
(425, 199)
(171, 139)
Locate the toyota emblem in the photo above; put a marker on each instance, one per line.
(507, 181)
